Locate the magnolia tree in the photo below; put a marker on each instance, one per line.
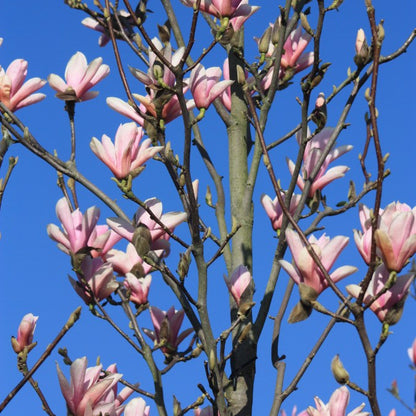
(204, 132)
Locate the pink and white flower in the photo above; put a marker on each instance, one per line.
(313, 151)
(96, 277)
(91, 392)
(158, 234)
(274, 210)
(238, 282)
(77, 228)
(127, 153)
(166, 329)
(238, 11)
(16, 94)
(25, 333)
(205, 87)
(80, 77)
(138, 287)
(305, 270)
(337, 405)
(383, 304)
(137, 407)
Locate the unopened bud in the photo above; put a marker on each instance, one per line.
(138, 270)
(183, 266)
(380, 32)
(275, 32)
(158, 70)
(196, 351)
(351, 191)
(212, 360)
(319, 114)
(164, 32)
(241, 76)
(177, 410)
(305, 24)
(208, 197)
(338, 371)
(142, 239)
(264, 41)
(362, 51)
(395, 313)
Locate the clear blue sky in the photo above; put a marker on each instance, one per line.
(34, 272)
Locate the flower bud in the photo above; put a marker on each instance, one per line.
(183, 266)
(142, 239)
(338, 371)
(361, 49)
(158, 70)
(25, 333)
(265, 40)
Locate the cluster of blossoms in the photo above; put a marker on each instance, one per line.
(93, 392)
(94, 258)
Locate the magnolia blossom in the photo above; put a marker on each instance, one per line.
(136, 407)
(127, 153)
(91, 392)
(238, 282)
(15, 94)
(294, 59)
(167, 111)
(125, 262)
(126, 109)
(91, 23)
(337, 405)
(395, 236)
(412, 353)
(95, 276)
(81, 231)
(362, 51)
(238, 11)
(79, 77)
(305, 270)
(313, 151)
(204, 85)
(155, 66)
(158, 235)
(274, 210)
(138, 287)
(388, 300)
(25, 333)
(167, 326)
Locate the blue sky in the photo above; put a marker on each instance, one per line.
(34, 272)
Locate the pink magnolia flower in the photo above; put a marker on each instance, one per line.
(313, 151)
(412, 353)
(91, 392)
(238, 282)
(274, 210)
(294, 47)
(204, 85)
(395, 236)
(137, 407)
(138, 287)
(168, 78)
(96, 276)
(15, 94)
(127, 154)
(158, 234)
(124, 262)
(167, 326)
(305, 270)
(25, 333)
(238, 11)
(337, 405)
(77, 228)
(382, 305)
(363, 239)
(126, 109)
(169, 111)
(392, 412)
(80, 77)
